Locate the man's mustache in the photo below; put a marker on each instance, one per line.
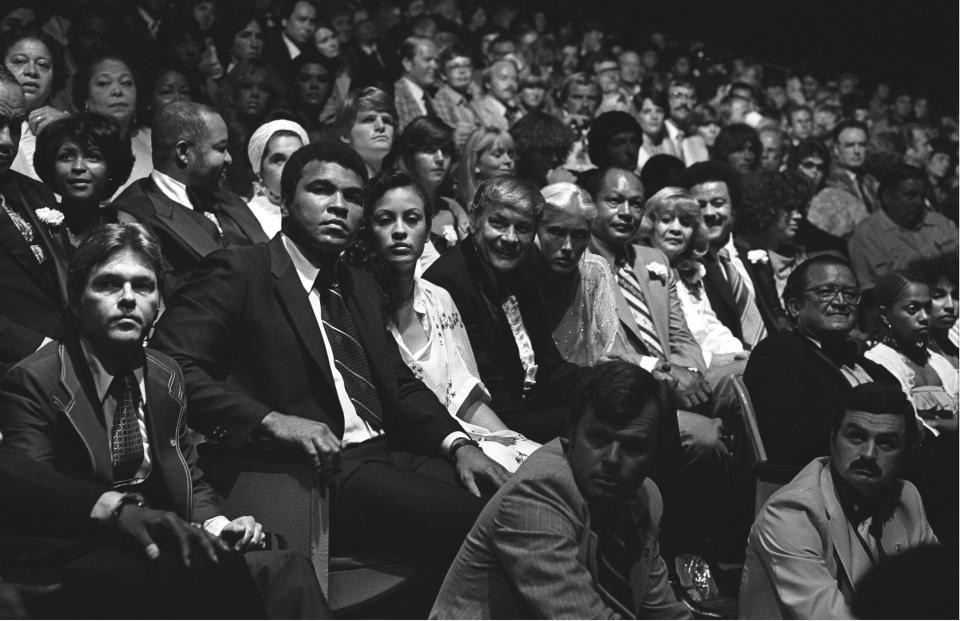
(868, 465)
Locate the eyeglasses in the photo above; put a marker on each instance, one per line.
(828, 294)
(810, 165)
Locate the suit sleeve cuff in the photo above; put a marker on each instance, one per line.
(215, 525)
(649, 363)
(105, 505)
(448, 441)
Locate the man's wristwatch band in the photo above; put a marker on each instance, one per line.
(459, 443)
(130, 498)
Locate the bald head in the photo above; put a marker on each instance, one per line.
(190, 144)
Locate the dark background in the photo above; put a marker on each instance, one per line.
(911, 43)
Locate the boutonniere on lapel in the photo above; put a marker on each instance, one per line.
(658, 271)
(53, 218)
(449, 235)
(758, 256)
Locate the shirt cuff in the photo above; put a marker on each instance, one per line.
(215, 525)
(448, 441)
(105, 505)
(649, 363)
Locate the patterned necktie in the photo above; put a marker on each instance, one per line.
(864, 195)
(348, 354)
(613, 573)
(630, 288)
(126, 443)
(751, 322)
(428, 105)
(206, 203)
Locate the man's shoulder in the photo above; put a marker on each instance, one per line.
(13, 179)
(136, 195)
(448, 269)
(45, 362)
(649, 255)
(804, 494)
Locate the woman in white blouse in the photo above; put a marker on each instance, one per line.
(904, 305)
(422, 316)
(672, 223)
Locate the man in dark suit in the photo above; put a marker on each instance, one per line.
(299, 22)
(281, 341)
(32, 246)
(729, 290)
(796, 378)
(574, 532)
(519, 363)
(181, 201)
(100, 407)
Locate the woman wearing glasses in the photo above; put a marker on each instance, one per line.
(812, 160)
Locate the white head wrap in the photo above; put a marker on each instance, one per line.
(260, 138)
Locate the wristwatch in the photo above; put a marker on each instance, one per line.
(459, 443)
(130, 498)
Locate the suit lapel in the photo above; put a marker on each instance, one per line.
(55, 250)
(294, 301)
(85, 416)
(716, 282)
(654, 295)
(242, 216)
(848, 553)
(181, 222)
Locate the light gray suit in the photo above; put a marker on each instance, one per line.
(660, 294)
(803, 556)
(532, 554)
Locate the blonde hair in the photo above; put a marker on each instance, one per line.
(478, 142)
(682, 204)
(568, 198)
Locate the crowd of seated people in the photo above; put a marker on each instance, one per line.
(497, 274)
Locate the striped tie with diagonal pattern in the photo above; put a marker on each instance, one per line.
(751, 321)
(630, 288)
(348, 354)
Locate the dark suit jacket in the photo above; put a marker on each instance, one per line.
(768, 302)
(532, 553)
(49, 411)
(461, 272)
(248, 341)
(720, 293)
(186, 235)
(794, 389)
(276, 54)
(33, 297)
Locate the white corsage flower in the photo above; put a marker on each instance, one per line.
(449, 234)
(51, 217)
(658, 270)
(758, 256)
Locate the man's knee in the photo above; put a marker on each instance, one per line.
(702, 439)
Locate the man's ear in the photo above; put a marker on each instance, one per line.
(182, 154)
(793, 309)
(407, 64)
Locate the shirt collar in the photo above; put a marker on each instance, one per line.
(171, 188)
(497, 105)
(101, 378)
(291, 46)
(306, 269)
(415, 89)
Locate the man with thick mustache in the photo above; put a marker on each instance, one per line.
(182, 201)
(32, 245)
(820, 534)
